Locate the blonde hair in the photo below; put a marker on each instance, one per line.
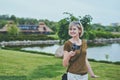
(78, 25)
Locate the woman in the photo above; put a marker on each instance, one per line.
(75, 58)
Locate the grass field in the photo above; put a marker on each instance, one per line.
(15, 65)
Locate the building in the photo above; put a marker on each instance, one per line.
(42, 28)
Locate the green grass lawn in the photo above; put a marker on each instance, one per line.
(15, 65)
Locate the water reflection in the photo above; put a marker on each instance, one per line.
(47, 49)
(96, 52)
(99, 53)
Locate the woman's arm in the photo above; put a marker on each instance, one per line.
(66, 57)
(90, 69)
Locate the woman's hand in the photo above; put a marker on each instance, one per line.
(71, 53)
(66, 57)
(94, 76)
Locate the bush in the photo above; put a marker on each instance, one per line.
(99, 34)
(103, 34)
(115, 35)
(25, 37)
(91, 35)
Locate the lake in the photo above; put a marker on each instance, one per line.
(112, 51)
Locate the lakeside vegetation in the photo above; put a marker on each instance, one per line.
(16, 64)
(31, 37)
(60, 28)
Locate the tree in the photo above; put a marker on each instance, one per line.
(13, 30)
(2, 23)
(85, 21)
(117, 28)
(63, 26)
(63, 29)
(64, 23)
(71, 17)
(13, 18)
(4, 17)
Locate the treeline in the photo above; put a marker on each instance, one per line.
(91, 31)
(60, 28)
(5, 18)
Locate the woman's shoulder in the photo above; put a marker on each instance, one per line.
(67, 45)
(67, 42)
(84, 41)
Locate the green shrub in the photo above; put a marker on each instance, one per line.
(91, 35)
(25, 37)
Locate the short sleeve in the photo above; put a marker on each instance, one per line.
(85, 44)
(67, 46)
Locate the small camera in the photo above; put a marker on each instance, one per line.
(73, 47)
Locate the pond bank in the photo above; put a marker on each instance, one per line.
(103, 40)
(38, 42)
(28, 42)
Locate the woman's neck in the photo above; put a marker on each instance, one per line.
(76, 40)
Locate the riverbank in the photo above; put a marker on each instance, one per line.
(15, 65)
(38, 42)
(103, 40)
(28, 42)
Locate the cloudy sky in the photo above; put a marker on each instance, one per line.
(102, 11)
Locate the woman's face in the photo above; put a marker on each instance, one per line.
(74, 31)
